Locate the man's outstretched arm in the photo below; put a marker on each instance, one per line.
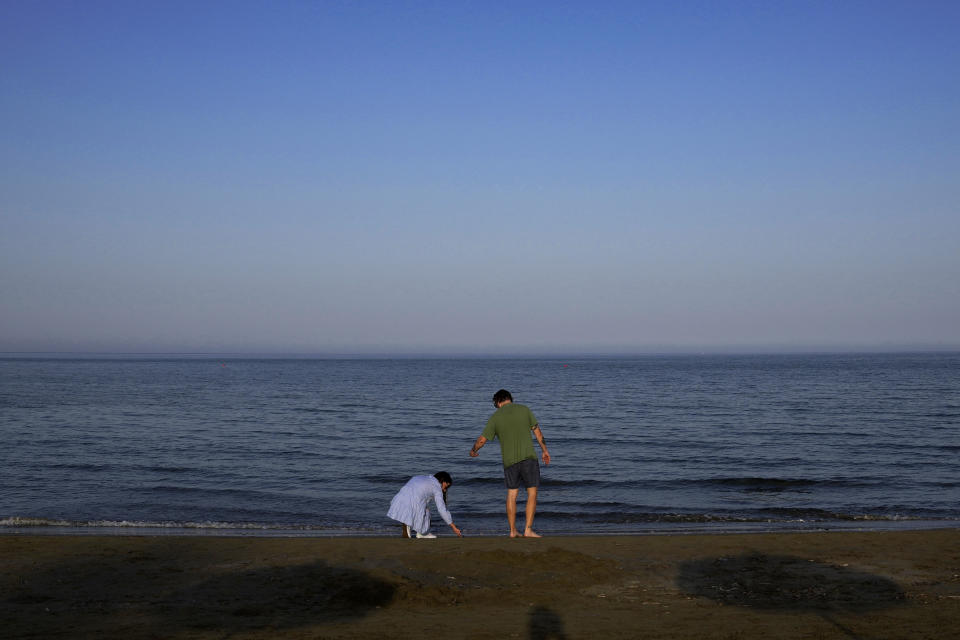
(542, 443)
(476, 446)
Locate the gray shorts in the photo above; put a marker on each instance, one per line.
(525, 472)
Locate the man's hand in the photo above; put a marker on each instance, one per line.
(456, 530)
(543, 445)
(476, 446)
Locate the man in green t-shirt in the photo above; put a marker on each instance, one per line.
(511, 424)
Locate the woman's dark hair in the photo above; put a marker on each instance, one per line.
(501, 396)
(443, 476)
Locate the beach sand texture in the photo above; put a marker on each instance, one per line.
(776, 585)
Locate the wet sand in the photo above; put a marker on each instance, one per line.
(782, 585)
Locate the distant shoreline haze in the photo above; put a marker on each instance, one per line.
(476, 353)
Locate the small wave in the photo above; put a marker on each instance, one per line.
(317, 410)
(82, 466)
(108, 466)
(823, 515)
(779, 484)
(593, 504)
(771, 516)
(221, 491)
(166, 468)
(758, 484)
(553, 482)
(756, 481)
(33, 522)
(487, 481)
(618, 517)
(27, 522)
(383, 478)
(399, 480)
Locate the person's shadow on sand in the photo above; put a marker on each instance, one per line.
(545, 624)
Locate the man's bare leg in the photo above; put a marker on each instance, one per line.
(512, 511)
(530, 511)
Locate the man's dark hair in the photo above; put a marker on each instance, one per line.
(501, 396)
(443, 476)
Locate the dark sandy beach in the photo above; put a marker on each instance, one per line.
(784, 585)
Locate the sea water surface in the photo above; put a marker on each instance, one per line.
(319, 446)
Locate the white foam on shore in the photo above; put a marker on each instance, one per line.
(18, 521)
(48, 526)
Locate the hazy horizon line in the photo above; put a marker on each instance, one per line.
(399, 353)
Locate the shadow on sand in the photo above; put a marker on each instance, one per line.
(788, 583)
(282, 597)
(545, 624)
(143, 595)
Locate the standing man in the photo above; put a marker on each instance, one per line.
(512, 424)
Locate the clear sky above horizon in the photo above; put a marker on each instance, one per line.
(483, 177)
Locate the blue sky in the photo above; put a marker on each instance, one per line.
(479, 177)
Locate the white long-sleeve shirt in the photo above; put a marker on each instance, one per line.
(410, 505)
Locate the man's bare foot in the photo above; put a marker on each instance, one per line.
(514, 534)
(530, 533)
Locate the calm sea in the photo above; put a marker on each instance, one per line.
(318, 447)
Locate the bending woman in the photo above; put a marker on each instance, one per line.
(409, 506)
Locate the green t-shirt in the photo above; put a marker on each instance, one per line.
(512, 423)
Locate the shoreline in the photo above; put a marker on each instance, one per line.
(837, 584)
(126, 528)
